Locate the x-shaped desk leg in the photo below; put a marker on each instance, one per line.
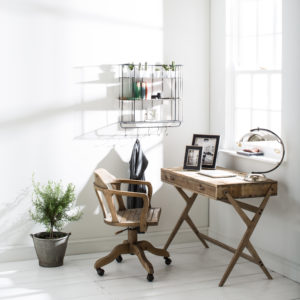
(185, 217)
(245, 241)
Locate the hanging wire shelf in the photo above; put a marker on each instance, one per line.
(150, 96)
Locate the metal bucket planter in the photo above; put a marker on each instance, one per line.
(50, 252)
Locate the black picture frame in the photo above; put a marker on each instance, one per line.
(192, 158)
(210, 144)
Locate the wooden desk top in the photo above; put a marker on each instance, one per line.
(216, 188)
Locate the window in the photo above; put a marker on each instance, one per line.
(253, 61)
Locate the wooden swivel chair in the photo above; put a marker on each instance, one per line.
(136, 220)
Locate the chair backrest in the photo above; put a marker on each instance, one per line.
(103, 178)
(103, 183)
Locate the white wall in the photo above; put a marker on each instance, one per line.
(187, 43)
(59, 111)
(277, 235)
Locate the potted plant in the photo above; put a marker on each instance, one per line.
(166, 71)
(172, 69)
(129, 71)
(52, 208)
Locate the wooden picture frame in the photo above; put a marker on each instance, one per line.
(192, 158)
(210, 145)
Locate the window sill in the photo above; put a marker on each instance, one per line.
(264, 159)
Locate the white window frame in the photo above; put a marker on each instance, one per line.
(233, 36)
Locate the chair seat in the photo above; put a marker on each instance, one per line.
(131, 217)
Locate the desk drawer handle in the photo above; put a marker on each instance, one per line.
(201, 187)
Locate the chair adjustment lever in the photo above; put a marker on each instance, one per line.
(120, 231)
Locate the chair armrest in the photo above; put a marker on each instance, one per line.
(133, 181)
(144, 213)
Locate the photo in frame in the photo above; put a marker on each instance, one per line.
(192, 158)
(210, 145)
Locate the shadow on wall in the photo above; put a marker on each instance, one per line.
(105, 79)
(87, 198)
(104, 76)
(99, 81)
(100, 74)
(15, 215)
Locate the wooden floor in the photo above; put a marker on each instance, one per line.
(194, 274)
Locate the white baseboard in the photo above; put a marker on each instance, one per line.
(82, 246)
(272, 261)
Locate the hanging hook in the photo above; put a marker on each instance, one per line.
(158, 131)
(125, 132)
(137, 133)
(166, 131)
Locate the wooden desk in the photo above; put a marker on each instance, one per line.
(225, 190)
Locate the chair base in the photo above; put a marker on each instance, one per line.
(132, 246)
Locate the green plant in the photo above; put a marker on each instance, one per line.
(53, 204)
(166, 67)
(172, 66)
(131, 66)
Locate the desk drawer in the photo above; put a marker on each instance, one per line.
(253, 190)
(216, 188)
(188, 183)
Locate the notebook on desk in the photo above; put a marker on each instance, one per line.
(217, 173)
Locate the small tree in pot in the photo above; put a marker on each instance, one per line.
(52, 206)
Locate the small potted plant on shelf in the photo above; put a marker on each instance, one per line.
(172, 69)
(157, 71)
(166, 71)
(131, 70)
(52, 208)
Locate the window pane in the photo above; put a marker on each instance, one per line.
(242, 122)
(275, 122)
(266, 16)
(278, 51)
(260, 91)
(254, 54)
(247, 55)
(260, 119)
(248, 17)
(243, 91)
(278, 15)
(275, 91)
(266, 52)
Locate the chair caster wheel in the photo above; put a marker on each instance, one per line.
(167, 260)
(100, 272)
(119, 258)
(150, 277)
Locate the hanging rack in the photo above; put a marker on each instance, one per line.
(116, 133)
(144, 87)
